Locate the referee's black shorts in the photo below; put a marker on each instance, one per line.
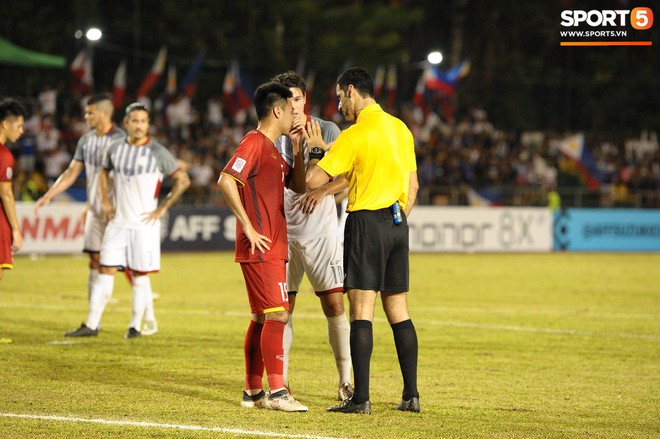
(376, 252)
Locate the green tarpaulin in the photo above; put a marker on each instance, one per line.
(14, 55)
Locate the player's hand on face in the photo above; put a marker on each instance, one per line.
(256, 240)
(297, 127)
(296, 137)
(313, 135)
(311, 199)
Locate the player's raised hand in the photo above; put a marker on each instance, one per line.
(296, 136)
(313, 135)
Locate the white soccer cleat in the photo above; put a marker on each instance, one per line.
(285, 403)
(149, 327)
(258, 401)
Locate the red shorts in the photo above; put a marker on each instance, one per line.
(6, 255)
(266, 286)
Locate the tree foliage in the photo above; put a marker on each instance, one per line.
(520, 74)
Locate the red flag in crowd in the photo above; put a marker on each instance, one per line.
(419, 98)
(436, 80)
(154, 74)
(379, 80)
(170, 85)
(235, 96)
(119, 85)
(391, 86)
(189, 81)
(81, 68)
(330, 110)
(575, 148)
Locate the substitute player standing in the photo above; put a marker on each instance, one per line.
(377, 154)
(253, 183)
(12, 118)
(132, 236)
(315, 247)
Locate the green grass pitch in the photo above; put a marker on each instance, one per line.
(553, 345)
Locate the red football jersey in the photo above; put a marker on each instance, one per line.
(6, 164)
(261, 173)
(6, 174)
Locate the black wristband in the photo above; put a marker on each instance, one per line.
(316, 153)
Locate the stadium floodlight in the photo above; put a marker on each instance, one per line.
(94, 34)
(434, 57)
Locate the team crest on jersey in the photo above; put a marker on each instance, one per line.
(239, 164)
(10, 173)
(274, 156)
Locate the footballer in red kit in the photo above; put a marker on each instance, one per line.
(253, 185)
(261, 171)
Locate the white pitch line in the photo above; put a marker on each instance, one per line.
(158, 425)
(320, 316)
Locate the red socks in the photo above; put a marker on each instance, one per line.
(254, 361)
(263, 347)
(273, 353)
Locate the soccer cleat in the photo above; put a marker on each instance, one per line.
(411, 405)
(150, 327)
(349, 406)
(132, 333)
(83, 331)
(254, 401)
(345, 392)
(283, 401)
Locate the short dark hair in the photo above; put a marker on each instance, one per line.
(99, 98)
(268, 96)
(358, 78)
(291, 79)
(10, 107)
(136, 106)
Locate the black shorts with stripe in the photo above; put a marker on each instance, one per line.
(376, 252)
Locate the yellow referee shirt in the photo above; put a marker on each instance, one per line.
(377, 154)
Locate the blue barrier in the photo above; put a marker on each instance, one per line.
(607, 230)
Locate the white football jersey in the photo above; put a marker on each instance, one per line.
(138, 176)
(324, 218)
(90, 150)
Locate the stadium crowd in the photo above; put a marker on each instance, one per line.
(456, 159)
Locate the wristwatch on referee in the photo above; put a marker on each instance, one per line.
(316, 153)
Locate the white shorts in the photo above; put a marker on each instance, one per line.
(134, 248)
(94, 230)
(322, 260)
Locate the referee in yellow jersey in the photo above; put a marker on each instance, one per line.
(377, 155)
